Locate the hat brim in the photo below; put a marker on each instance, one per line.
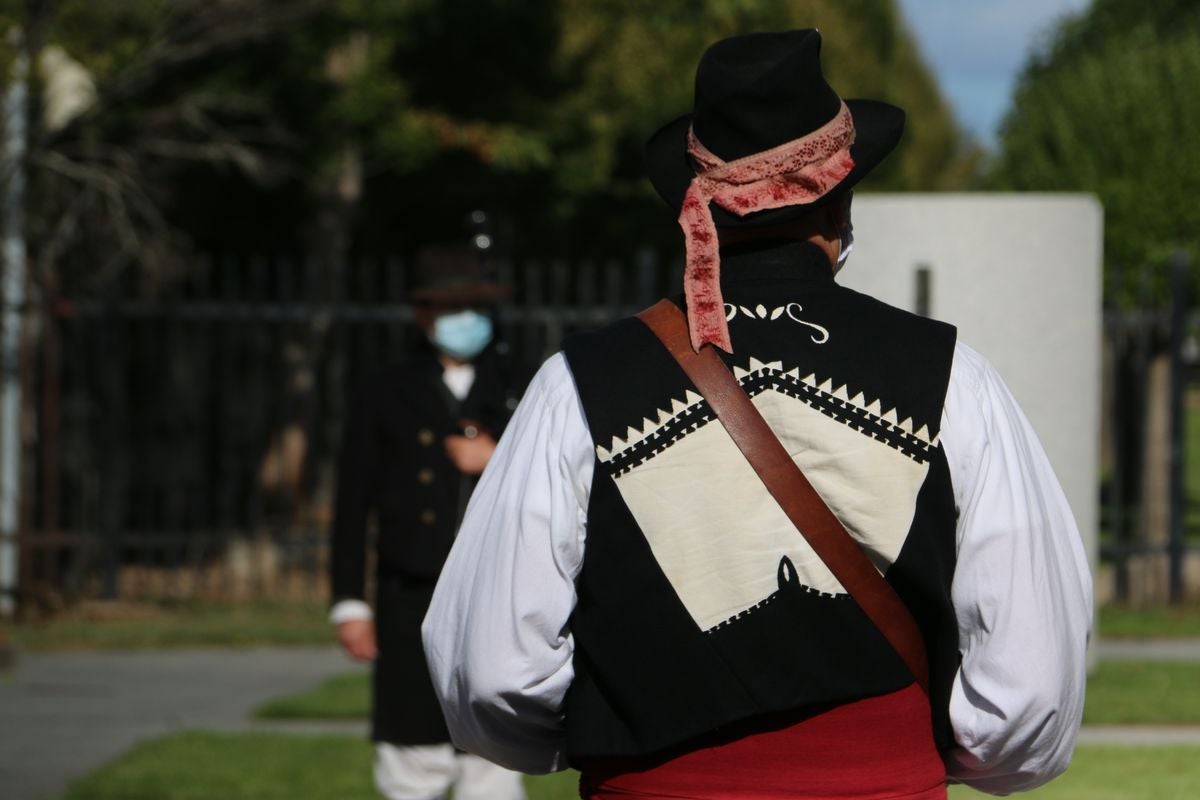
(878, 127)
(467, 294)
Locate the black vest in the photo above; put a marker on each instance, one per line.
(699, 605)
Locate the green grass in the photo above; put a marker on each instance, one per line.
(559, 786)
(258, 766)
(181, 624)
(204, 766)
(339, 697)
(201, 766)
(1120, 773)
(1119, 622)
(99, 626)
(1133, 693)
(1119, 693)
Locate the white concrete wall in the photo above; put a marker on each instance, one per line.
(1020, 275)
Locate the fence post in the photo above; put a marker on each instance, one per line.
(1120, 342)
(16, 102)
(647, 276)
(1180, 299)
(924, 298)
(109, 350)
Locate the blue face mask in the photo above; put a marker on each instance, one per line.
(462, 334)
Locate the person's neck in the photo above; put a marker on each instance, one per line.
(740, 238)
(830, 247)
(450, 362)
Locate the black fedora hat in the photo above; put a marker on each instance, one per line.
(451, 274)
(753, 93)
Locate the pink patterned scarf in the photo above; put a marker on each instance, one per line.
(796, 172)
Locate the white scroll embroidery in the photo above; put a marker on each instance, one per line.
(792, 310)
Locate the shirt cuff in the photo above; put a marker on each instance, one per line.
(349, 611)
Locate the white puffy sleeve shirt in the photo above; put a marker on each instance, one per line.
(497, 633)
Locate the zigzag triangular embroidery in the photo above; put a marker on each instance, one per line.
(869, 419)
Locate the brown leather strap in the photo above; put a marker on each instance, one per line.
(787, 484)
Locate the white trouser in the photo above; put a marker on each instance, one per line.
(427, 771)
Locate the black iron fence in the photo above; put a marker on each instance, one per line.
(186, 436)
(181, 439)
(1150, 489)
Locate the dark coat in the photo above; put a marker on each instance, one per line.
(394, 463)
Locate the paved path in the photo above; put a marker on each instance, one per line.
(1140, 735)
(315, 727)
(64, 714)
(1149, 650)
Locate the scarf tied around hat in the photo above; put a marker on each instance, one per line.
(793, 173)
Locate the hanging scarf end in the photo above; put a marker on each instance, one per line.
(704, 329)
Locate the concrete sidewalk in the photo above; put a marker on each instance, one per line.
(1140, 735)
(65, 714)
(1148, 649)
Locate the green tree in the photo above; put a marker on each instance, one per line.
(542, 108)
(1109, 107)
(326, 125)
(133, 100)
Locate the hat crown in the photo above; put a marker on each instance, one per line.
(447, 264)
(451, 273)
(760, 90)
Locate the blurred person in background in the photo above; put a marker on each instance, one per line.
(417, 437)
(627, 597)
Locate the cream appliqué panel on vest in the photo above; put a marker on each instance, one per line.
(715, 530)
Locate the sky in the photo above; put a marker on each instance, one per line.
(977, 48)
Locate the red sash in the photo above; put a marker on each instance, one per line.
(880, 748)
